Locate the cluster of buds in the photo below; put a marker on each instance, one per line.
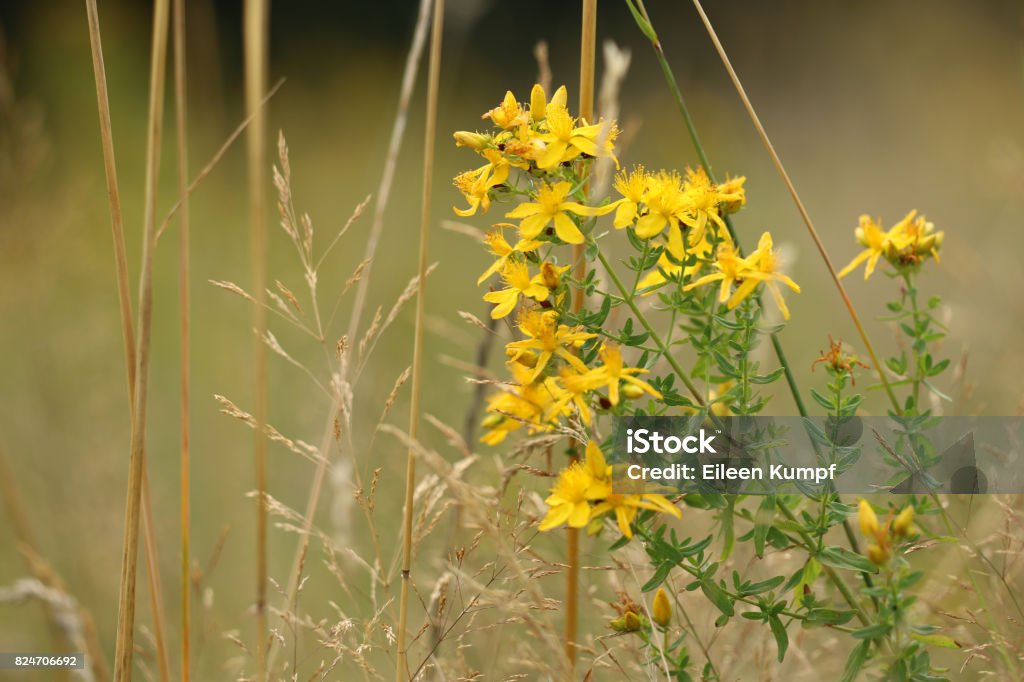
(884, 536)
(631, 617)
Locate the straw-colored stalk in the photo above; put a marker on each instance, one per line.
(588, 50)
(804, 215)
(256, 65)
(430, 133)
(136, 464)
(127, 329)
(181, 127)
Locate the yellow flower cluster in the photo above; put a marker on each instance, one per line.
(665, 203)
(582, 495)
(550, 381)
(884, 535)
(538, 139)
(908, 243)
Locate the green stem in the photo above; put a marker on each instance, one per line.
(630, 299)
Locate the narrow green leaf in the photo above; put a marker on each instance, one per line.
(781, 636)
(856, 661)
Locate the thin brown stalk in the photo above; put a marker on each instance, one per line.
(256, 15)
(433, 81)
(588, 50)
(127, 330)
(804, 215)
(136, 464)
(181, 125)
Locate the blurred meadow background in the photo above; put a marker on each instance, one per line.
(875, 107)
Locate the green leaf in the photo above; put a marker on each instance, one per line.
(856, 661)
(872, 631)
(763, 586)
(838, 557)
(824, 401)
(762, 522)
(781, 636)
(828, 617)
(937, 640)
(717, 596)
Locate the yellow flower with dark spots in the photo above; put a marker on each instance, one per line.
(551, 206)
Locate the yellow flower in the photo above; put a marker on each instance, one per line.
(517, 276)
(549, 339)
(509, 114)
(875, 242)
(915, 239)
(539, 101)
(612, 371)
(576, 389)
(576, 487)
(552, 206)
(666, 204)
(703, 199)
(626, 507)
(536, 404)
(551, 274)
(499, 247)
(565, 141)
(734, 197)
(732, 269)
(867, 518)
(661, 608)
(476, 184)
(632, 187)
(765, 263)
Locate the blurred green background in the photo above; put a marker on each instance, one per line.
(875, 107)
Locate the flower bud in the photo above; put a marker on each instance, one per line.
(877, 555)
(904, 522)
(475, 141)
(492, 421)
(867, 518)
(661, 610)
(631, 391)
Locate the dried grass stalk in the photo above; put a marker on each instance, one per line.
(433, 81)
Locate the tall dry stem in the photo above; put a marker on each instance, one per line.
(136, 464)
(181, 126)
(433, 81)
(127, 328)
(804, 215)
(588, 50)
(256, 66)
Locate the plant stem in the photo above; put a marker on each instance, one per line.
(181, 120)
(629, 298)
(433, 81)
(588, 49)
(125, 643)
(256, 64)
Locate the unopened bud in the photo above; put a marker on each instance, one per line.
(475, 141)
(904, 521)
(877, 555)
(867, 518)
(661, 610)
